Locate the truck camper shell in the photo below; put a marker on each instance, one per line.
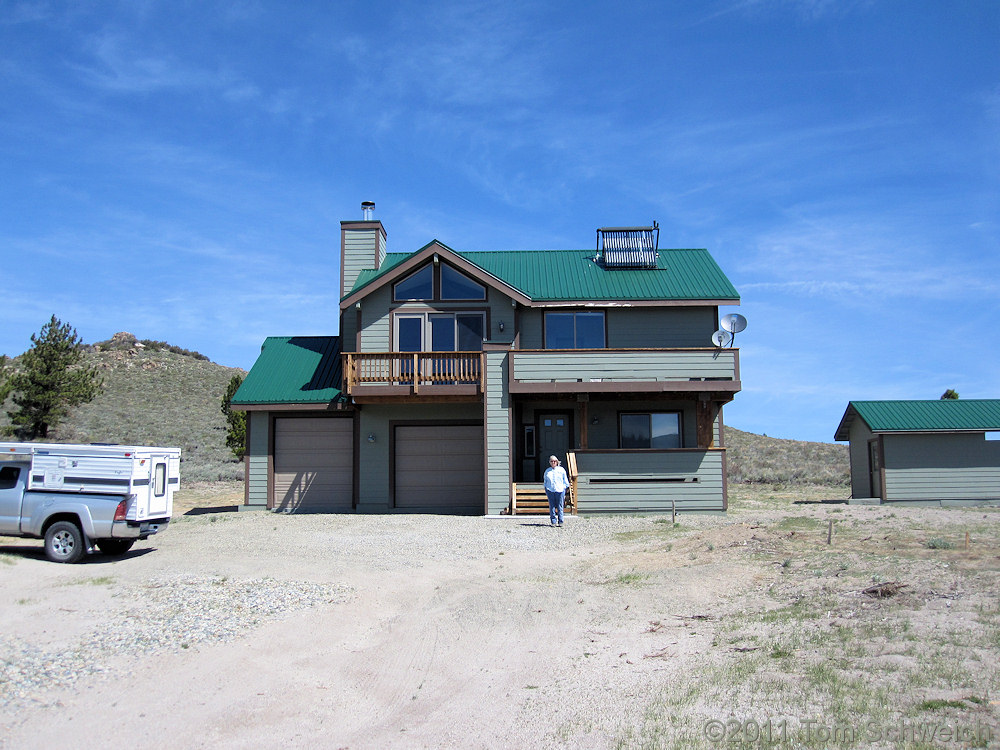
(150, 475)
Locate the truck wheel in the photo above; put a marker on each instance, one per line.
(115, 546)
(64, 542)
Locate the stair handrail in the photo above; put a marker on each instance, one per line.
(573, 474)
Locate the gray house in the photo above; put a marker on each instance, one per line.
(933, 452)
(456, 374)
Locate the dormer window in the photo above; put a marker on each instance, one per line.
(441, 283)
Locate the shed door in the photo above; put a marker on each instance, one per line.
(439, 468)
(313, 464)
(874, 468)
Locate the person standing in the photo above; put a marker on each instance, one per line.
(556, 484)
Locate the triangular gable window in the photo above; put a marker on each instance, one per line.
(419, 285)
(455, 285)
(443, 283)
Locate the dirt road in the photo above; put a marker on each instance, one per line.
(256, 630)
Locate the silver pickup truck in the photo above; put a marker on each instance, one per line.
(77, 497)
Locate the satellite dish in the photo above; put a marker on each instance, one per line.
(734, 323)
(722, 339)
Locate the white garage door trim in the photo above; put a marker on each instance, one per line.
(313, 464)
(438, 468)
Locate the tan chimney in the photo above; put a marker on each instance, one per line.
(362, 247)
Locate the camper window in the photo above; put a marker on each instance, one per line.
(160, 480)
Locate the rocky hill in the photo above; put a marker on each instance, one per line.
(155, 394)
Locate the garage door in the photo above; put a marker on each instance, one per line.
(313, 464)
(439, 468)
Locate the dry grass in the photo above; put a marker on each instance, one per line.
(805, 646)
(758, 459)
(158, 398)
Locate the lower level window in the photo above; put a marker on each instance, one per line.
(658, 429)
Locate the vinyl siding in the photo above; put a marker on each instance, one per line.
(607, 482)
(257, 458)
(607, 366)
(530, 323)
(656, 327)
(349, 319)
(498, 440)
(376, 329)
(941, 467)
(362, 250)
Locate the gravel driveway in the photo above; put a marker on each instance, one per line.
(257, 629)
(251, 630)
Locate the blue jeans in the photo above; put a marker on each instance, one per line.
(556, 500)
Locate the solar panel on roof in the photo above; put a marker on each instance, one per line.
(628, 247)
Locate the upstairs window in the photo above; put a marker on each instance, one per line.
(455, 285)
(650, 430)
(419, 285)
(442, 283)
(574, 330)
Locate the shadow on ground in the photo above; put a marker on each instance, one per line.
(212, 509)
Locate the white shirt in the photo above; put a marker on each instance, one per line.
(556, 479)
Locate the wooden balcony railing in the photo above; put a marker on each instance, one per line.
(596, 370)
(414, 370)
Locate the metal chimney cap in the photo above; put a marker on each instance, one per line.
(368, 204)
(367, 207)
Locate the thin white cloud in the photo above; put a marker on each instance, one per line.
(865, 256)
(120, 64)
(24, 12)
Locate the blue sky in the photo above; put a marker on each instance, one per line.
(179, 169)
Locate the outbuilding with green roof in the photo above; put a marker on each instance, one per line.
(940, 452)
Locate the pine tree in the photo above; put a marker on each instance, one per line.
(236, 421)
(5, 386)
(949, 395)
(51, 380)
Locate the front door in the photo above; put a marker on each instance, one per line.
(553, 439)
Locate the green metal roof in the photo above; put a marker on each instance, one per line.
(368, 275)
(943, 415)
(294, 370)
(572, 275)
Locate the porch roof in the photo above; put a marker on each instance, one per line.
(294, 370)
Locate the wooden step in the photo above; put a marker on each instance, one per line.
(531, 500)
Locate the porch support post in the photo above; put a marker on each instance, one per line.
(705, 410)
(584, 418)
